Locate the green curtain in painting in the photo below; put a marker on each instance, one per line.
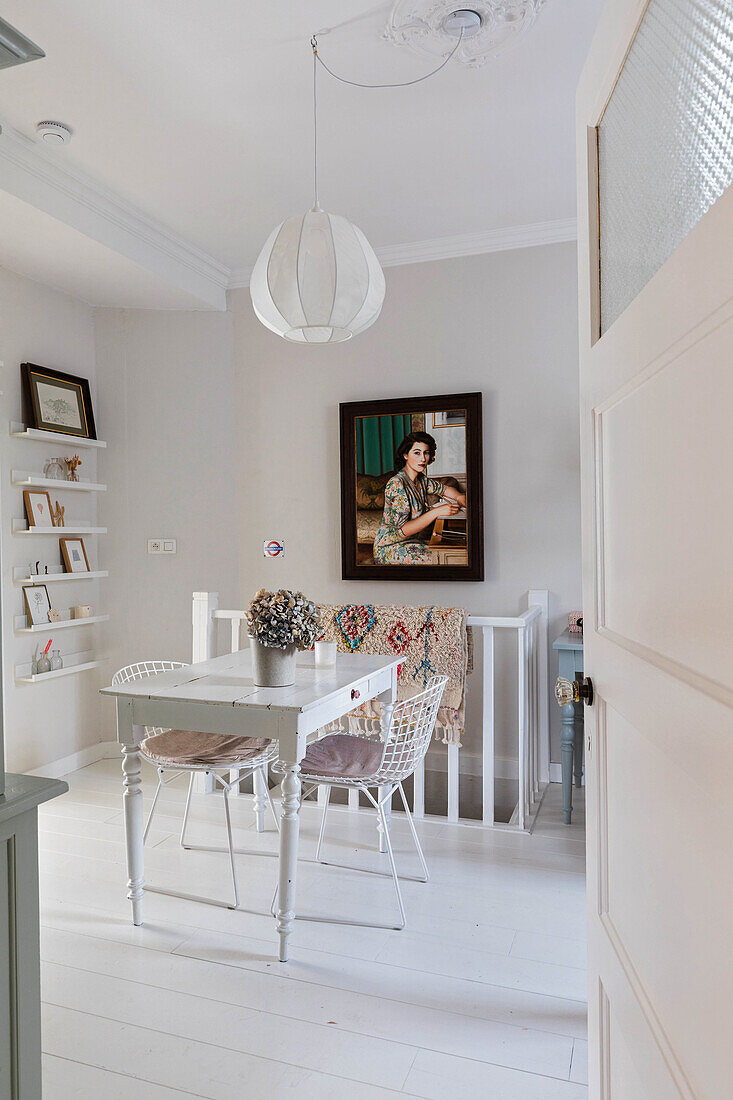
(377, 438)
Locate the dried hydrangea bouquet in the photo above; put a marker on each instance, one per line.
(280, 623)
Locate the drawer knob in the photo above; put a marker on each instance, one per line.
(354, 693)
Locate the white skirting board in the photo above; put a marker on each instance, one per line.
(103, 750)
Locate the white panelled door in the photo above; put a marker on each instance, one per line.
(656, 344)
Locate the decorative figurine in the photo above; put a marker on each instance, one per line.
(72, 464)
(57, 513)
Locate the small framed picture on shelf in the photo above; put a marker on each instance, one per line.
(37, 604)
(74, 555)
(38, 510)
(57, 402)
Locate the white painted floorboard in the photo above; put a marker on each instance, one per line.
(483, 995)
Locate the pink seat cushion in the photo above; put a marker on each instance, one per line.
(206, 750)
(342, 756)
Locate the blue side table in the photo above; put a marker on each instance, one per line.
(570, 665)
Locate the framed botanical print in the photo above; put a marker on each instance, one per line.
(74, 555)
(38, 509)
(57, 402)
(412, 488)
(37, 604)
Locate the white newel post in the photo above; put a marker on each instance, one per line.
(204, 626)
(203, 649)
(540, 597)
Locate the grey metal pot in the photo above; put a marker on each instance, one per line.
(272, 667)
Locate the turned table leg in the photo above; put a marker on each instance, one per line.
(289, 830)
(132, 806)
(260, 799)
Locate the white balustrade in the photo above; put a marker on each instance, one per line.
(533, 715)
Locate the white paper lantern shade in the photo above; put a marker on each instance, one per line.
(317, 280)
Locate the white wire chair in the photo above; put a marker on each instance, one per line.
(413, 722)
(230, 764)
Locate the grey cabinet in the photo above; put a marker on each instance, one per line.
(20, 997)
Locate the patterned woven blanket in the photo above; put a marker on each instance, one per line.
(431, 640)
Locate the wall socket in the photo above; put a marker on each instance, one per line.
(161, 546)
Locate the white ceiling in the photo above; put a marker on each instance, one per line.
(200, 116)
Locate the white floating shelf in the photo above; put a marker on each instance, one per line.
(20, 527)
(48, 628)
(54, 578)
(23, 672)
(19, 431)
(22, 477)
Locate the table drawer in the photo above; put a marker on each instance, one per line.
(339, 705)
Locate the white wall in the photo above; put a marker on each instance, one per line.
(45, 721)
(222, 435)
(166, 404)
(504, 324)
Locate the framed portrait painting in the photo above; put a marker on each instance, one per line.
(57, 402)
(412, 488)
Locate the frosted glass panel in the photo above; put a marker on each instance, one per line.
(665, 142)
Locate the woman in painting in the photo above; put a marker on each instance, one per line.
(404, 533)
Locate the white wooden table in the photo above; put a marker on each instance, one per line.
(218, 696)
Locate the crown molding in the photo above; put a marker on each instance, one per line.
(41, 178)
(449, 248)
(474, 244)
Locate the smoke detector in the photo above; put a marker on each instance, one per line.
(486, 29)
(54, 133)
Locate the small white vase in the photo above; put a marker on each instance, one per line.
(272, 667)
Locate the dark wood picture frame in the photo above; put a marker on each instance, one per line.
(349, 412)
(65, 554)
(31, 374)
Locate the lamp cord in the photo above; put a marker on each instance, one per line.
(356, 84)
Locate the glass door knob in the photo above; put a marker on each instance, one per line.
(572, 691)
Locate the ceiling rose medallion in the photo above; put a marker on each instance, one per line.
(486, 28)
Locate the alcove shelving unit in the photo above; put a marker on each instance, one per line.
(81, 662)
(20, 627)
(39, 435)
(20, 527)
(35, 481)
(23, 577)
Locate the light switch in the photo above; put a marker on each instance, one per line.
(169, 546)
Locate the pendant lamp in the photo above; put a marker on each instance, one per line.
(317, 280)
